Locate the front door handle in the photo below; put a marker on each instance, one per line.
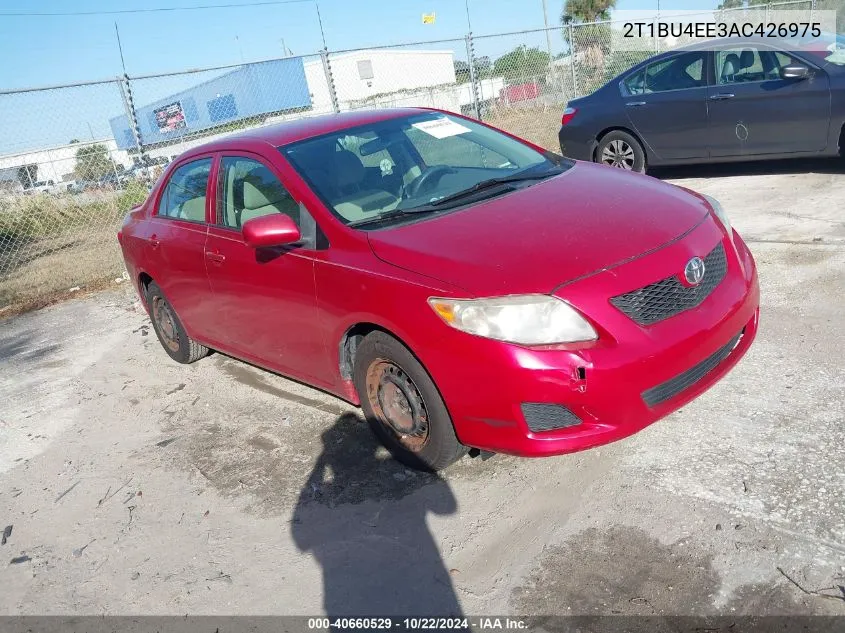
(217, 258)
(721, 96)
(635, 104)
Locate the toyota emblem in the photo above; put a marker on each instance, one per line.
(694, 271)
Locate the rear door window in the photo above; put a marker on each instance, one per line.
(676, 73)
(184, 194)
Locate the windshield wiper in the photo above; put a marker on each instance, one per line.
(437, 205)
(389, 215)
(486, 184)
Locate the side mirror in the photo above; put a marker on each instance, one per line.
(794, 71)
(275, 229)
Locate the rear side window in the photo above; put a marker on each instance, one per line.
(676, 73)
(184, 194)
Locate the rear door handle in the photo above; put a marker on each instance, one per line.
(154, 243)
(635, 104)
(217, 258)
(721, 96)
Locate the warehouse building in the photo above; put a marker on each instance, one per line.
(268, 92)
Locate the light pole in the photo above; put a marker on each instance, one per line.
(546, 24)
(320, 20)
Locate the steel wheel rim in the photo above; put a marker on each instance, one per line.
(163, 316)
(618, 154)
(397, 404)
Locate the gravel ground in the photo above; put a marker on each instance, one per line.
(138, 486)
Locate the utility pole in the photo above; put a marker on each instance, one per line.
(320, 20)
(548, 33)
(120, 48)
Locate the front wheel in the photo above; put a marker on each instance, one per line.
(402, 405)
(621, 150)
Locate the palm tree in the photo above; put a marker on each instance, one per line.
(586, 10)
(591, 42)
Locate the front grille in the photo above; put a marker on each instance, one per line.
(547, 417)
(672, 387)
(668, 297)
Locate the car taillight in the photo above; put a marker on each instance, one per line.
(120, 237)
(568, 114)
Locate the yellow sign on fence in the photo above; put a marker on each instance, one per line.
(428, 18)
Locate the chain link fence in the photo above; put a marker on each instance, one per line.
(75, 159)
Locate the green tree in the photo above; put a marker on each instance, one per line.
(590, 43)
(587, 10)
(461, 71)
(93, 162)
(522, 63)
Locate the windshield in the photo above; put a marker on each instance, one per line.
(830, 47)
(409, 164)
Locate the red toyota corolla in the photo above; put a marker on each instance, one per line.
(467, 288)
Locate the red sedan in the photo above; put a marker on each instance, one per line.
(467, 288)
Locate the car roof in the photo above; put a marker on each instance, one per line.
(300, 129)
(787, 45)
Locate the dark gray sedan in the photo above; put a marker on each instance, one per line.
(717, 101)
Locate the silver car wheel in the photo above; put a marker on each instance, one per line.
(618, 154)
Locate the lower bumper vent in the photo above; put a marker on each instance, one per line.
(548, 417)
(672, 387)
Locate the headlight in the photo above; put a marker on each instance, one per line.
(525, 319)
(720, 213)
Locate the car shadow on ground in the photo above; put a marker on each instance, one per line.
(752, 168)
(362, 515)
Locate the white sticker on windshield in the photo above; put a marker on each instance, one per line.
(441, 128)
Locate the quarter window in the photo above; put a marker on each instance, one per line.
(184, 194)
(248, 189)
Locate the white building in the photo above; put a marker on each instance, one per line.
(369, 78)
(364, 74)
(54, 165)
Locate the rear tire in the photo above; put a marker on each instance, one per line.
(169, 329)
(621, 150)
(402, 405)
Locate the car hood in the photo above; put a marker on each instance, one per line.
(535, 239)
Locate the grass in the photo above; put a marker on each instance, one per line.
(538, 124)
(50, 244)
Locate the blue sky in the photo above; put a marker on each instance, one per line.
(46, 50)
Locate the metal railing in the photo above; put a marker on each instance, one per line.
(75, 158)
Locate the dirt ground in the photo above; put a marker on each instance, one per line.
(138, 486)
